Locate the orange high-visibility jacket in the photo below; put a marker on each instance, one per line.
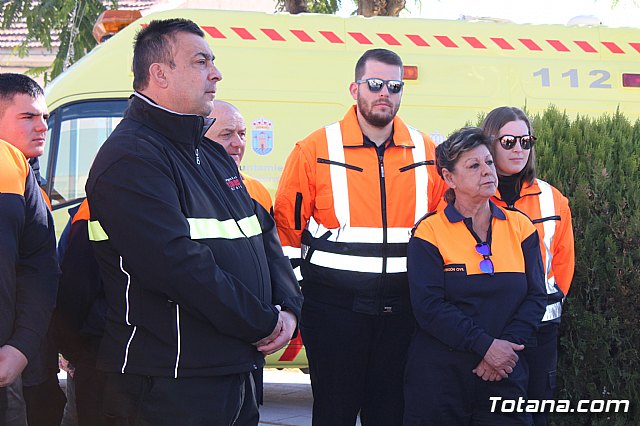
(348, 213)
(258, 192)
(550, 213)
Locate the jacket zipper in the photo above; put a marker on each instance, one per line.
(197, 156)
(383, 205)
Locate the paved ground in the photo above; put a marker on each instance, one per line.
(287, 398)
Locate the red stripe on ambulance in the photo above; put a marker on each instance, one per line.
(613, 48)
(474, 42)
(302, 36)
(360, 38)
(331, 37)
(389, 39)
(530, 44)
(292, 350)
(585, 46)
(213, 32)
(502, 43)
(420, 41)
(557, 44)
(243, 33)
(417, 40)
(445, 41)
(272, 34)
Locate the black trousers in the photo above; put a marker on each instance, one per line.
(89, 385)
(196, 401)
(543, 363)
(43, 397)
(45, 402)
(441, 389)
(4, 400)
(356, 362)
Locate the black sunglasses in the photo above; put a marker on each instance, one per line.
(509, 141)
(486, 265)
(375, 85)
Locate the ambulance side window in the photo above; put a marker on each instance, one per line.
(76, 133)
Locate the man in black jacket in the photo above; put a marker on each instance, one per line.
(28, 272)
(23, 124)
(197, 287)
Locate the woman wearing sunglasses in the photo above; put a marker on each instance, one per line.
(518, 189)
(477, 291)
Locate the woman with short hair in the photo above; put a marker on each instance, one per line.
(477, 291)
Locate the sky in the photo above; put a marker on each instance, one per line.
(625, 14)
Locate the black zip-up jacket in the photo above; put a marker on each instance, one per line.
(28, 265)
(192, 268)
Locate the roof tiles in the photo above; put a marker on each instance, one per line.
(15, 35)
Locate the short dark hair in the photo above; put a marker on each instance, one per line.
(381, 55)
(495, 120)
(152, 45)
(14, 84)
(448, 152)
(17, 84)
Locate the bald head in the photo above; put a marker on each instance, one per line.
(229, 129)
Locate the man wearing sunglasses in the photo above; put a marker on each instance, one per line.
(347, 200)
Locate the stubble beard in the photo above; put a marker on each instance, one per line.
(379, 120)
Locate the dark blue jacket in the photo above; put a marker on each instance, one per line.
(457, 306)
(28, 265)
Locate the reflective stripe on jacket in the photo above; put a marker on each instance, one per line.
(549, 211)
(348, 212)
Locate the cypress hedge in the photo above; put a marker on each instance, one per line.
(595, 162)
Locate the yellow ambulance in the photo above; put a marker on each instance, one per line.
(289, 75)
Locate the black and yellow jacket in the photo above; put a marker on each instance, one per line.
(28, 265)
(192, 268)
(459, 307)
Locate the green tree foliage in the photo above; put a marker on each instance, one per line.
(596, 164)
(308, 6)
(365, 7)
(70, 20)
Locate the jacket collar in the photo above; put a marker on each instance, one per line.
(177, 127)
(453, 215)
(530, 188)
(35, 166)
(527, 189)
(353, 137)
